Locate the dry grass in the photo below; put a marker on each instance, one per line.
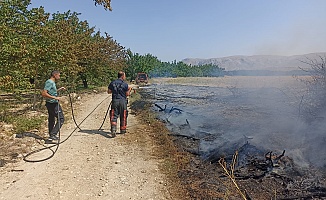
(201, 180)
(230, 173)
(19, 126)
(22, 128)
(164, 150)
(236, 81)
(187, 175)
(150, 131)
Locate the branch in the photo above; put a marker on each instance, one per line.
(230, 174)
(186, 136)
(105, 3)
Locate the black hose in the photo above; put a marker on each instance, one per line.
(73, 115)
(105, 115)
(72, 112)
(59, 133)
(55, 145)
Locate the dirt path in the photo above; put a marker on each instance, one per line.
(90, 164)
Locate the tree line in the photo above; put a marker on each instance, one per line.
(155, 68)
(34, 42)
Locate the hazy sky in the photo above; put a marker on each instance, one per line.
(179, 29)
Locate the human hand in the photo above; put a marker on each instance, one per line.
(61, 88)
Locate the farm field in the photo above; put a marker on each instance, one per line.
(259, 117)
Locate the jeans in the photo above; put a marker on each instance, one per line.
(53, 109)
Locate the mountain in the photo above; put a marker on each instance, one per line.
(259, 62)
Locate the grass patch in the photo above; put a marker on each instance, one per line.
(23, 124)
(20, 118)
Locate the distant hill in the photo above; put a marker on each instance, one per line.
(258, 62)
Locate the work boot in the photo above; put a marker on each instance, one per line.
(113, 131)
(53, 137)
(123, 131)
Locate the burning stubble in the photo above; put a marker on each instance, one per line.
(228, 112)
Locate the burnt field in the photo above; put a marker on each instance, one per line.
(247, 137)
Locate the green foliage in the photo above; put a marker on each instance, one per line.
(23, 124)
(32, 45)
(3, 112)
(140, 63)
(180, 69)
(105, 3)
(156, 68)
(34, 42)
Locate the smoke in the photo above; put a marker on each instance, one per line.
(230, 111)
(302, 36)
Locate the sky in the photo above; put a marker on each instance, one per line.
(178, 29)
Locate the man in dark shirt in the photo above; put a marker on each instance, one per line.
(119, 90)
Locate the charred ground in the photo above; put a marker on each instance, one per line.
(258, 173)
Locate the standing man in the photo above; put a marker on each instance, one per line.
(119, 90)
(50, 92)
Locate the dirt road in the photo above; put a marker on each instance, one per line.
(90, 164)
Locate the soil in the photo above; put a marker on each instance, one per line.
(248, 173)
(148, 162)
(90, 164)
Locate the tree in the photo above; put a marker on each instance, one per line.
(313, 101)
(140, 63)
(174, 69)
(32, 45)
(164, 69)
(19, 35)
(105, 3)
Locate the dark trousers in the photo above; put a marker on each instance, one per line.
(53, 110)
(119, 109)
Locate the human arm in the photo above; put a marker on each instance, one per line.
(128, 91)
(110, 88)
(46, 94)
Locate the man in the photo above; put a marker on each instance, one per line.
(119, 90)
(50, 92)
